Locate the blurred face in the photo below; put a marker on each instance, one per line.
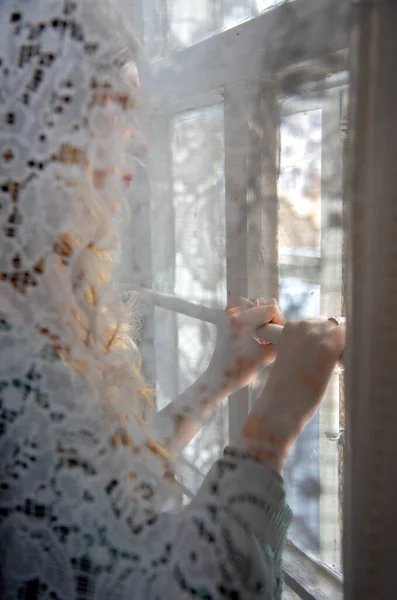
(123, 137)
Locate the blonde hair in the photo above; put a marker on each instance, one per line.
(94, 332)
(89, 327)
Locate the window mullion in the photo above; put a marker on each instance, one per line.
(236, 176)
(251, 129)
(262, 201)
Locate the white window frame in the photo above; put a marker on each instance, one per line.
(208, 73)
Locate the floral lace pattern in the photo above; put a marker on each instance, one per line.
(87, 508)
(80, 518)
(67, 142)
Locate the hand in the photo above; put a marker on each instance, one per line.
(238, 357)
(307, 355)
(236, 361)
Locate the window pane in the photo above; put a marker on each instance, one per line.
(199, 206)
(175, 24)
(235, 12)
(299, 187)
(192, 267)
(196, 342)
(299, 192)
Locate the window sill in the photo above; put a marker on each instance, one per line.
(309, 578)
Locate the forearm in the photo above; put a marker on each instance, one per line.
(287, 403)
(272, 426)
(181, 420)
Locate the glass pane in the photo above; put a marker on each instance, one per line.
(299, 251)
(235, 12)
(310, 267)
(193, 268)
(299, 186)
(175, 24)
(199, 206)
(196, 341)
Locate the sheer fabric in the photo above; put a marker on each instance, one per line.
(241, 194)
(84, 478)
(81, 512)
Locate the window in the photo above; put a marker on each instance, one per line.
(246, 121)
(175, 24)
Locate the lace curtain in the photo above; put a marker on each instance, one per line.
(262, 149)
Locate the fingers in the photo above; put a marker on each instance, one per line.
(278, 318)
(254, 318)
(238, 302)
(337, 337)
